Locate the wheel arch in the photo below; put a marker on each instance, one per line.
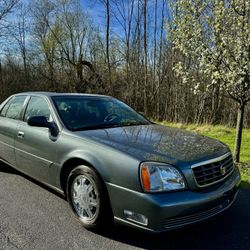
(67, 167)
(74, 161)
(107, 216)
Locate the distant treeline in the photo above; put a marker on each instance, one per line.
(57, 46)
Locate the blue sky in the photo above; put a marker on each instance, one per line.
(96, 10)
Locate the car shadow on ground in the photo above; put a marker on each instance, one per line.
(229, 230)
(9, 170)
(6, 169)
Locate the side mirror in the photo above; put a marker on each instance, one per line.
(38, 121)
(41, 121)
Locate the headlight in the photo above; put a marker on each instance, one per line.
(157, 177)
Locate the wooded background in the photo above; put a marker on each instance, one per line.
(62, 46)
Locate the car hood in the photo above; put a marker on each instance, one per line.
(158, 143)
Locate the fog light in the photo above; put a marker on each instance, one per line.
(135, 217)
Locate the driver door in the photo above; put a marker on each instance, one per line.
(35, 149)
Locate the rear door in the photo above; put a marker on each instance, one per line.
(35, 147)
(9, 120)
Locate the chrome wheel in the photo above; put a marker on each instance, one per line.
(85, 198)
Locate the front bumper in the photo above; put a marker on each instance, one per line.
(166, 211)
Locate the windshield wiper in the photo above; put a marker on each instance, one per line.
(133, 124)
(109, 125)
(98, 126)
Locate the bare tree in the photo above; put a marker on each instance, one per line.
(145, 100)
(107, 5)
(68, 31)
(6, 6)
(19, 33)
(124, 14)
(58, 47)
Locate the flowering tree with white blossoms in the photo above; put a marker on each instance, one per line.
(215, 36)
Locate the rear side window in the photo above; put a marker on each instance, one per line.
(5, 108)
(37, 107)
(14, 108)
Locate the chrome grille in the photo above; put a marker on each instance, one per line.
(211, 172)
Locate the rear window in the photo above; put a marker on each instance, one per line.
(13, 108)
(5, 108)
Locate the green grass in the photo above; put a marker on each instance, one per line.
(226, 135)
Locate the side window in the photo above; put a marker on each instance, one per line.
(93, 109)
(14, 108)
(5, 108)
(37, 107)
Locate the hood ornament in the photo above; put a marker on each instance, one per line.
(223, 170)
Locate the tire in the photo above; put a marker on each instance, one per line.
(88, 198)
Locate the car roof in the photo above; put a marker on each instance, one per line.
(52, 94)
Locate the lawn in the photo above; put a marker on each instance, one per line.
(226, 135)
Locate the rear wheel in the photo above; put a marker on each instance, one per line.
(88, 198)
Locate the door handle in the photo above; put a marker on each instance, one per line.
(20, 134)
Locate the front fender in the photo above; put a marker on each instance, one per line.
(112, 165)
(90, 158)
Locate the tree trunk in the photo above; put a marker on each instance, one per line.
(145, 59)
(160, 67)
(108, 42)
(239, 128)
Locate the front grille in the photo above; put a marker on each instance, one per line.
(213, 171)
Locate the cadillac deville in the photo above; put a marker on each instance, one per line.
(113, 164)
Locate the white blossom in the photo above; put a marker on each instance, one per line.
(215, 36)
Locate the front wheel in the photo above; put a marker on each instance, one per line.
(88, 198)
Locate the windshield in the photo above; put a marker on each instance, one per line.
(84, 113)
